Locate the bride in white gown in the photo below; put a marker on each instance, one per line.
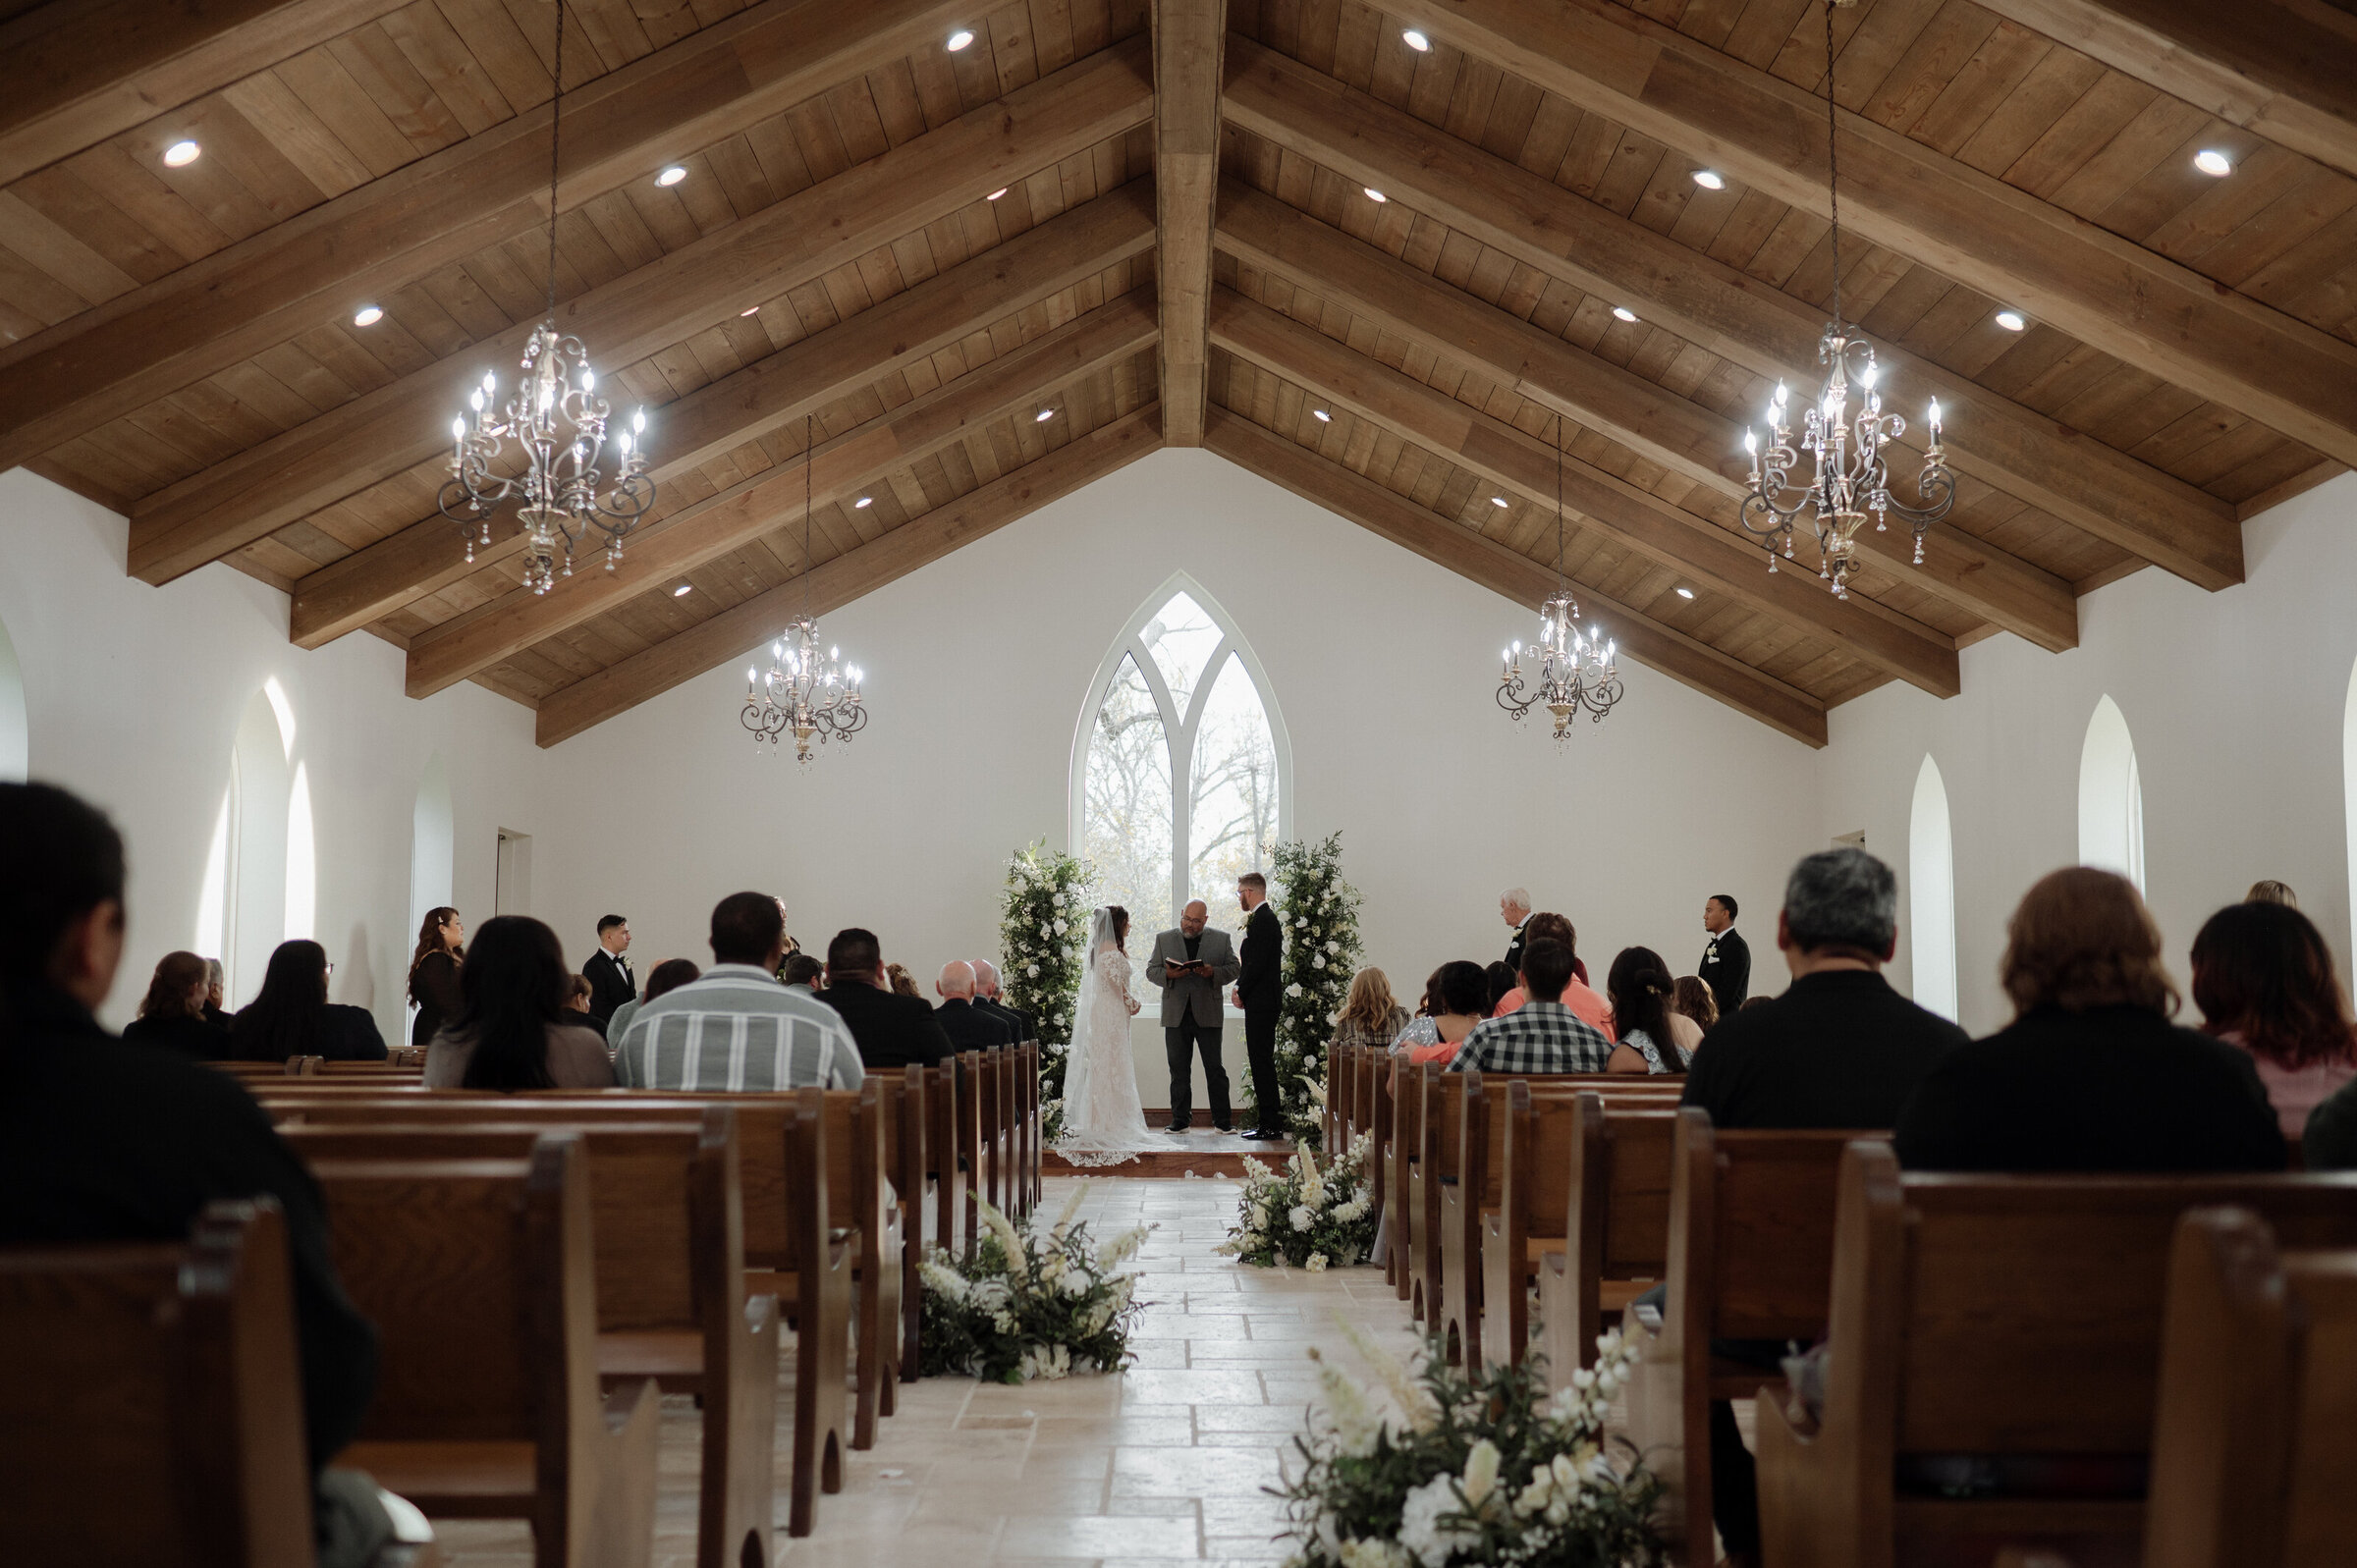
(1104, 1120)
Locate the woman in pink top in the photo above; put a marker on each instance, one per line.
(1582, 999)
(2264, 980)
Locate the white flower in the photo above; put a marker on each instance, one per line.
(1316, 1263)
(1032, 970)
(1058, 900)
(1318, 960)
(1334, 947)
(1304, 921)
(1300, 1216)
(1003, 1321)
(1374, 1554)
(1060, 927)
(1420, 1527)
(1481, 1473)
(1293, 990)
(1047, 933)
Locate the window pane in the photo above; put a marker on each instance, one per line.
(1126, 815)
(1231, 800)
(1181, 638)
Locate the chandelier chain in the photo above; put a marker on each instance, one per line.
(556, 121)
(812, 696)
(1833, 163)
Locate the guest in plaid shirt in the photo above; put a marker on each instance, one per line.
(1541, 1035)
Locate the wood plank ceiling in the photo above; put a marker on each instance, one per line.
(1384, 277)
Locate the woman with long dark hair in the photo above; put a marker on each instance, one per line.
(2263, 978)
(434, 972)
(1654, 1037)
(171, 1015)
(512, 1031)
(1460, 994)
(292, 1017)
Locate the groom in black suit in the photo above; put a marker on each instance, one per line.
(1260, 993)
(611, 983)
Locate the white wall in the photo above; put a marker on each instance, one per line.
(2236, 701)
(134, 695)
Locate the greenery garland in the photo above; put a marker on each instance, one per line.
(1043, 923)
(1022, 1307)
(1315, 1215)
(1319, 913)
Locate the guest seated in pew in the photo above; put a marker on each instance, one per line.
(100, 1141)
(1543, 1035)
(172, 1013)
(901, 982)
(891, 1030)
(689, 1038)
(577, 996)
(1370, 1015)
(988, 999)
(1693, 999)
(968, 1027)
(663, 979)
(292, 1017)
(517, 1027)
(434, 966)
(1453, 1000)
(1582, 999)
(2330, 1140)
(2264, 980)
(1503, 980)
(1420, 1029)
(216, 981)
(2091, 1075)
(801, 971)
(1654, 1037)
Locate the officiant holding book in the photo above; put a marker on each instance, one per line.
(1191, 965)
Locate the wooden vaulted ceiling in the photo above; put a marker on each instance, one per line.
(1150, 219)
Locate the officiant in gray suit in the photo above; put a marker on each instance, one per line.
(1193, 965)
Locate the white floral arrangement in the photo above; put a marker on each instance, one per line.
(1025, 1306)
(1458, 1470)
(1310, 1214)
(1043, 923)
(1319, 911)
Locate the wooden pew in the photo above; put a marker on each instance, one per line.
(480, 1277)
(152, 1409)
(1598, 1222)
(2008, 1318)
(909, 1169)
(1750, 1256)
(946, 1104)
(667, 1213)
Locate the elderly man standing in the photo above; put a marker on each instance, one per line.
(1190, 965)
(968, 1027)
(987, 999)
(1514, 907)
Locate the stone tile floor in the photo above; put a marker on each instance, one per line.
(1164, 1462)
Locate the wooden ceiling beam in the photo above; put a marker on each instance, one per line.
(1642, 415)
(1505, 456)
(364, 245)
(725, 637)
(73, 72)
(2280, 69)
(1508, 572)
(794, 242)
(2080, 480)
(1187, 39)
(2108, 291)
(762, 396)
(736, 517)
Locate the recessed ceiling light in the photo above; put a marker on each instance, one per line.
(751, 312)
(2011, 320)
(863, 502)
(1685, 593)
(682, 590)
(995, 194)
(960, 39)
(2213, 163)
(368, 315)
(1043, 416)
(181, 154)
(1417, 41)
(1374, 194)
(1710, 179)
(671, 176)
(1623, 313)
(1497, 501)
(1323, 417)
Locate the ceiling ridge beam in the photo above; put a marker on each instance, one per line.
(705, 530)
(1649, 420)
(2078, 277)
(73, 72)
(2278, 71)
(1637, 518)
(1506, 572)
(2090, 486)
(828, 586)
(368, 243)
(1188, 35)
(794, 242)
(762, 396)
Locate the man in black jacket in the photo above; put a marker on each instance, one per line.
(611, 983)
(987, 999)
(1259, 991)
(968, 1027)
(892, 1031)
(1725, 965)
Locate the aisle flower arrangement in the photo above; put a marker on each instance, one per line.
(1461, 1471)
(1312, 1213)
(1043, 921)
(1320, 912)
(1025, 1306)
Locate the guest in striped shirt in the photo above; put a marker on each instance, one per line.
(735, 1028)
(1541, 1035)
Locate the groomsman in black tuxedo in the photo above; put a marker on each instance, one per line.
(1727, 959)
(1259, 991)
(611, 983)
(1514, 907)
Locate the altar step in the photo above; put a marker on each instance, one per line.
(1199, 1152)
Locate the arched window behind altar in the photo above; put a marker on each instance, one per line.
(1181, 772)
(2111, 796)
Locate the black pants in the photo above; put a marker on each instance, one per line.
(1181, 1041)
(1735, 1476)
(1260, 1051)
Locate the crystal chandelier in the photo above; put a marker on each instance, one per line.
(812, 695)
(1575, 670)
(558, 422)
(1850, 477)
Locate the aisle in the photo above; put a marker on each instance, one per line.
(1161, 1464)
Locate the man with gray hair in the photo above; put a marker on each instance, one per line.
(1514, 907)
(1839, 1048)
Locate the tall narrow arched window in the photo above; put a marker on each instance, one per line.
(15, 736)
(256, 874)
(2348, 775)
(1932, 893)
(2111, 796)
(1182, 771)
(433, 844)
